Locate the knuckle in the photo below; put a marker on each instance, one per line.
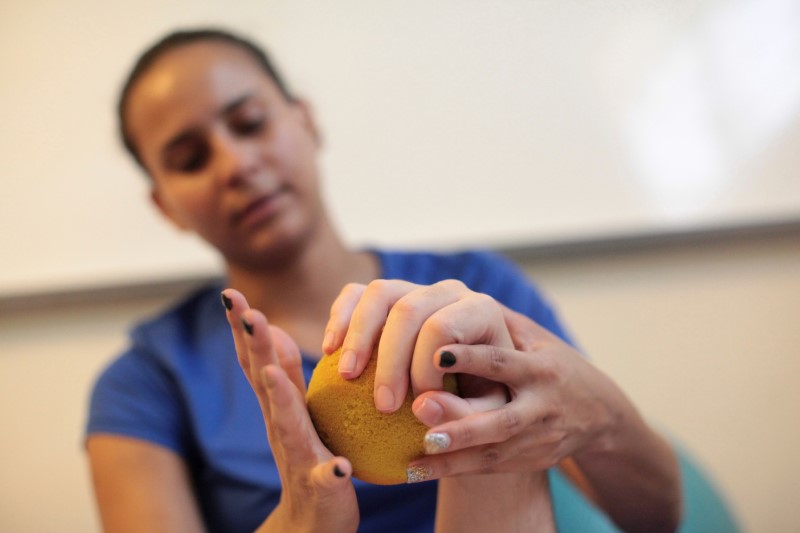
(489, 457)
(348, 296)
(547, 369)
(405, 308)
(259, 388)
(443, 467)
(510, 422)
(453, 285)
(487, 306)
(496, 360)
(466, 436)
(542, 463)
(483, 299)
(353, 289)
(377, 287)
(552, 458)
(444, 327)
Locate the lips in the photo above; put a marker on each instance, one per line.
(260, 209)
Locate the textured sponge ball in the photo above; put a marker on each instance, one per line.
(378, 445)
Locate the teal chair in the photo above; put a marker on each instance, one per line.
(705, 510)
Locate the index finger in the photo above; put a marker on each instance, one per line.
(367, 322)
(341, 313)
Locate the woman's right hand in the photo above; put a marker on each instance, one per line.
(317, 492)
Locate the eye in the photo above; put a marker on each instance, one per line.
(188, 157)
(249, 124)
(195, 162)
(248, 118)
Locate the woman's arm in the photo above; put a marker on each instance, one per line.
(140, 486)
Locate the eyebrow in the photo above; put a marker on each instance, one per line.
(186, 134)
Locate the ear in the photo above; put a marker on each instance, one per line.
(165, 210)
(303, 107)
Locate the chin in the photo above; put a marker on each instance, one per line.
(276, 252)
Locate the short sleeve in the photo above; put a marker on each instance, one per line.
(136, 397)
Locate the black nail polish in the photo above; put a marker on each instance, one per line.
(248, 327)
(447, 359)
(338, 471)
(227, 302)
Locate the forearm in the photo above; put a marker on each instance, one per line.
(633, 471)
(307, 519)
(494, 502)
(140, 486)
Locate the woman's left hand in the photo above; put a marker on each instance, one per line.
(317, 493)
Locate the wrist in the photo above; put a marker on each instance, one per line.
(615, 423)
(632, 470)
(304, 519)
(499, 502)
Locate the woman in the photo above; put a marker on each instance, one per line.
(175, 438)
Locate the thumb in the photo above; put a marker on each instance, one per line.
(332, 475)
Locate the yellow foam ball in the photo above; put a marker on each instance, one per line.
(378, 445)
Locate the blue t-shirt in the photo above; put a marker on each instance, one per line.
(179, 385)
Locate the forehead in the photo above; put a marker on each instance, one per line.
(189, 85)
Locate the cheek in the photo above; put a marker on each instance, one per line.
(190, 203)
(295, 151)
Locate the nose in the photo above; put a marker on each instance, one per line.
(234, 159)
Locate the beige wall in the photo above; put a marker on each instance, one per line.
(704, 338)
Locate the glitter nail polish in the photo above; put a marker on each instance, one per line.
(436, 442)
(415, 474)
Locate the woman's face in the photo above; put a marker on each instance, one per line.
(230, 157)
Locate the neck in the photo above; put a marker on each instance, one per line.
(297, 294)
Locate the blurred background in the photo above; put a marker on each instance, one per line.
(641, 161)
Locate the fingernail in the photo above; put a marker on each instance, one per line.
(436, 442)
(429, 412)
(248, 327)
(327, 341)
(447, 359)
(338, 471)
(384, 399)
(415, 474)
(347, 363)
